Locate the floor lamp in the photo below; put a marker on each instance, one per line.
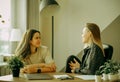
(15, 37)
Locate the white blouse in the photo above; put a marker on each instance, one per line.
(41, 56)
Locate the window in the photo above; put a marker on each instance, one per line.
(5, 10)
(5, 23)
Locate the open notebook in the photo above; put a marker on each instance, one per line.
(38, 76)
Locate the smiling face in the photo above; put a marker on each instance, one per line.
(36, 40)
(86, 35)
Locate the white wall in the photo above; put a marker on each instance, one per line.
(113, 31)
(70, 20)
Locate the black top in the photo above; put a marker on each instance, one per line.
(92, 59)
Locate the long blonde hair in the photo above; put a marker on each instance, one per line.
(23, 49)
(94, 29)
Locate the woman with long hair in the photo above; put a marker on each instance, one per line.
(93, 53)
(36, 57)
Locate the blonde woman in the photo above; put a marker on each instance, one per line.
(93, 56)
(37, 57)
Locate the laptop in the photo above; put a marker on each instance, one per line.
(38, 76)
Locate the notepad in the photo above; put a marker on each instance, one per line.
(86, 77)
(38, 76)
(63, 77)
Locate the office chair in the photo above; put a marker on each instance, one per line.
(108, 49)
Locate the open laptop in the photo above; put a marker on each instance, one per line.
(38, 76)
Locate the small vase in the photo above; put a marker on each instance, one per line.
(98, 78)
(113, 77)
(15, 72)
(119, 73)
(105, 77)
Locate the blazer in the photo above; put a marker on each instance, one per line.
(92, 59)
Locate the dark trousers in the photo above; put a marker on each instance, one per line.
(71, 58)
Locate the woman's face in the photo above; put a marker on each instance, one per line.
(85, 35)
(36, 40)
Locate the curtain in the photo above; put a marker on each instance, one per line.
(33, 14)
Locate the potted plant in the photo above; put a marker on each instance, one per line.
(119, 70)
(105, 70)
(14, 63)
(114, 67)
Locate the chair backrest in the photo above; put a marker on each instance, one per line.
(108, 49)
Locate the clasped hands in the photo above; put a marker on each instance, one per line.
(33, 68)
(74, 65)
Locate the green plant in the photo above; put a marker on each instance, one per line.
(15, 63)
(105, 68)
(109, 67)
(98, 72)
(118, 65)
(114, 67)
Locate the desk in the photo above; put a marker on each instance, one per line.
(9, 78)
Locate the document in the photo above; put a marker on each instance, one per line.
(63, 77)
(86, 77)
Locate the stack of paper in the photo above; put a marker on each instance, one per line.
(63, 77)
(86, 77)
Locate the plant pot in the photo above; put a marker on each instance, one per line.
(98, 78)
(15, 72)
(113, 77)
(119, 73)
(105, 77)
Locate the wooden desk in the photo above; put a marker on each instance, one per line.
(9, 78)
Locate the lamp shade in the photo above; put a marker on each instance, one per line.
(48, 5)
(15, 35)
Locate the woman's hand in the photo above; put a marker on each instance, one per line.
(75, 65)
(44, 68)
(29, 69)
(52, 66)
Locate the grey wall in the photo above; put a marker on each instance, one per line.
(111, 35)
(69, 22)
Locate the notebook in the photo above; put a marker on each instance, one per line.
(63, 77)
(38, 76)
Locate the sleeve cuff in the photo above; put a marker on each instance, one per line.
(77, 70)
